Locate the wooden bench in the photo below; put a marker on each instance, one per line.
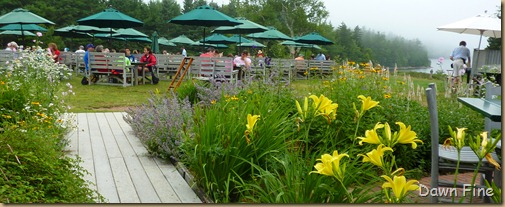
(110, 68)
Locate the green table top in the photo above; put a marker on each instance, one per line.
(489, 108)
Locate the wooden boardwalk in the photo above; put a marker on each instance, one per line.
(119, 164)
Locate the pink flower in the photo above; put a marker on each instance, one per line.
(39, 34)
(441, 59)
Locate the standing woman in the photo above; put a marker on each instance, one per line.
(150, 61)
(53, 51)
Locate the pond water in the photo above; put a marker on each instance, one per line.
(445, 65)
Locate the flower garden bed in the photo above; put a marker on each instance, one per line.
(267, 143)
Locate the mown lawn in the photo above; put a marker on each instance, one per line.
(102, 98)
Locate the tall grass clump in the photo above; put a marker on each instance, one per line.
(233, 132)
(33, 165)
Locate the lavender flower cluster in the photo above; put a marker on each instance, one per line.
(162, 124)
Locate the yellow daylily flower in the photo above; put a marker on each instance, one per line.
(368, 103)
(371, 136)
(376, 156)
(324, 106)
(251, 121)
(330, 165)
(399, 185)
(407, 136)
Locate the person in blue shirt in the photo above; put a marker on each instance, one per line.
(129, 55)
(460, 60)
(320, 56)
(89, 48)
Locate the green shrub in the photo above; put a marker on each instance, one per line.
(33, 164)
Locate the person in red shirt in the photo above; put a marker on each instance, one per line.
(210, 52)
(150, 61)
(53, 51)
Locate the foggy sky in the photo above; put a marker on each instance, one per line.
(410, 19)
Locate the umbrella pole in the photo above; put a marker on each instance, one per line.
(22, 35)
(239, 43)
(472, 71)
(203, 38)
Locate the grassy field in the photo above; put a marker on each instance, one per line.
(102, 98)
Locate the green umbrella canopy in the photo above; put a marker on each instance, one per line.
(271, 34)
(10, 32)
(204, 16)
(22, 16)
(166, 42)
(89, 29)
(198, 43)
(110, 18)
(297, 44)
(251, 44)
(182, 39)
(313, 38)
(245, 28)
(128, 33)
(238, 38)
(217, 39)
(26, 27)
(67, 32)
(155, 45)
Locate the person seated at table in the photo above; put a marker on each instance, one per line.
(129, 55)
(210, 52)
(242, 63)
(53, 51)
(80, 50)
(320, 56)
(150, 59)
(300, 57)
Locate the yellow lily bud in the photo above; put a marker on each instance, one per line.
(484, 140)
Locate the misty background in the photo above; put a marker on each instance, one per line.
(410, 19)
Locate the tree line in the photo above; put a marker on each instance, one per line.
(292, 17)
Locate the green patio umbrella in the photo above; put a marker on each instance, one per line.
(198, 43)
(251, 44)
(204, 16)
(17, 32)
(155, 45)
(271, 34)
(27, 27)
(246, 27)
(128, 33)
(166, 42)
(22, 17)
(217, 39)
(182, 39)
(313, 38)
(297, 44)
(67, 32)
(239, 39)
(111, 18)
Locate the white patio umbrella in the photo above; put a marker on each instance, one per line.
(478, 25)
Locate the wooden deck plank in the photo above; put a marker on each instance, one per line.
(125, 188)
(108, 138)
(103, 171)
(84, 148)
(120, 166)
(163, 188)
(144, 188)
(182, 189)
